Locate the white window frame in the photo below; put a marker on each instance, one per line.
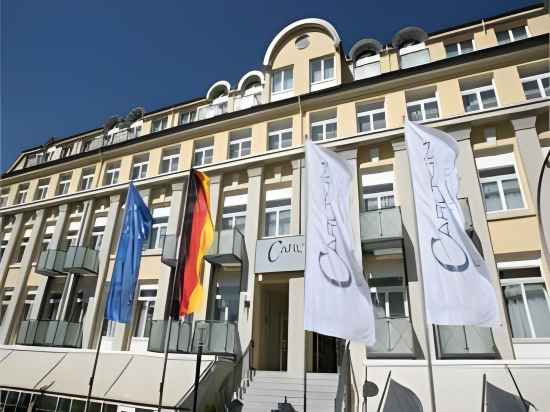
(22, 193)
(477, 91)
(415, 48)
(370, 114)
(364, 62)
(324, 123)
(386, 290)
(459, 47)
(161, 122)
(378, 196)
(64, 184)
(239, 143)
(42, 190)
(511, 33)
(140, 323)
(422, 103)
(277, 210)
(112, 174)
(282, 93)
(4, 198)
(203, 150)
(142, 165)
(498, 180)
(87, 180)
(279, 134)
(173, 160)
(187, 117)
(324, 79)
(233, 216)
(160, 236)
(538, 78)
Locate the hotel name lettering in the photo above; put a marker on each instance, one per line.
(281, 254)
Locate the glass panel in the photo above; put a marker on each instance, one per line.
(288, 79)
(452, 50)
(470, 102)
(286, 139)
(414, 113)
(363, 123)
(227, 296)
(512, 194)
(227, 223)
(233, 150)
(489, 99)
(531, 89)
(379, 121)
(517, 312)
(503, 37)
(431, 109)
(397, 304)
(519, 33)
(379, 302)
(316, 73)
(415, 58)
(546, 86)
(492, 197)
(329, 68)
(317, 132)
(331, 130)
(197, 158)
(273, 142)
(387, 201)
(284, 222)
(466, 46)
(538, 308)
(245, 148)
(240, 222)
(371, 203)
(208, 156)
(271, 223)
(277, 81)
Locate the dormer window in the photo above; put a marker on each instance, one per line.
(458, 48)
(412, 49)
(365, 55)
(282, 83)
(510, 35)
(159, 124)
(322, 72)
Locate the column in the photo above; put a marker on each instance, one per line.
(296, 333)
(13, 243)
(297, 189)
(253, 211)
(471, 189)
(15, 308)
(55, 243)
(208, 272)
(123, 331)
(96, 306)
(174, 227)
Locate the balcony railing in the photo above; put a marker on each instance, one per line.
(228, 247)
(394, 338)
(169, 250)
(212, 110)
(245, 102)
(82, 260)
(108, 140)
(51, 263)
(465, 342)
(218, 337)
(465, 206)
(50, 333)
(378, 227)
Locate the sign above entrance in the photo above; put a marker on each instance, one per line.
(280, 254)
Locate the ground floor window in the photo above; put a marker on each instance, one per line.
(224, 299)
(144, 311)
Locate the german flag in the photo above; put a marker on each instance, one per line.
(197, 235)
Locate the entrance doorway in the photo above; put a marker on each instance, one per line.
(323, 353)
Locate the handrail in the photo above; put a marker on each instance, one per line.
(239, 379)
(344, 385)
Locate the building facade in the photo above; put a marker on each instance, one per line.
(61, 205)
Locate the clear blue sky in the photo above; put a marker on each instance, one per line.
(67, 65)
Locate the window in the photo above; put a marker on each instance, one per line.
(413, 55)
(5, 302)
(389, 296)
(515, 34)
(282, 80)
(22, 194)
(22, 245)
(47, 237)
(111, 174)
(527, 301)
(378, 197)
(29, 301)
(140, 164)
(63, 184)
(42, 189)
(478, 94)
(158, 229)
(461, 47)
(422, 105)
(367, 64)
(321, 70)
(145, 309)
(224, 302)
(188, 117)
(97, 232)
(535, 80)
(159, 124)
(4, 194)
(371, 116)
(239, 143)
(323, 125)
(170, 160)
(501, 190)
(234, 212)
(87, 178)
(204, 153)
(277, 212)
(66, 151)
(279, 134)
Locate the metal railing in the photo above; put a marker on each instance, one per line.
(455, 342)
(394, 338)
(465, 206)
(245, 102)
(380, 225)
(82, 260)
(58, 333)
(343, 390)
(212, 110)
(228, 247)
(219, 337)
(169, 250)
(236, 383)
(108, 140)
(51, 262)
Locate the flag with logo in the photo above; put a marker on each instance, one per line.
(457, 288)
(196, 237)
(337, 296)
(136, 227)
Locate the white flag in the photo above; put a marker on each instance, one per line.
(456, 280)
(337, 296)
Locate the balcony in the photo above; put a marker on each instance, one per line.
(50, 333)
(51, 263)
(381, 229)
(218, 337)
(394, 338)
(245, 102)
(169, 250)
(82, 260)
(212, 110)
(228, 248)
(458, 342)
(465, 206)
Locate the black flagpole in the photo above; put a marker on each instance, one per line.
(483, 390)
(172, 286)
(524, 403)
(383, 392)
(92, 377)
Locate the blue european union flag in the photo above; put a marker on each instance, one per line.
(135, 230)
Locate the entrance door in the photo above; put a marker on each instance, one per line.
(325, 359)
(274, 327)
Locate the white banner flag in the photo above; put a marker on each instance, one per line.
(337, 296)
(456, 280)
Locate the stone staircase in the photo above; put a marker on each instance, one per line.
(268, 389)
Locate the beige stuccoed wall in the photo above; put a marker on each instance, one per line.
(450, 102)
(514, 235)
(484, 39)
(155, 156)
(539, 24)
(437, 51)
(321, 44)
(508, 86)
(395, 109)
